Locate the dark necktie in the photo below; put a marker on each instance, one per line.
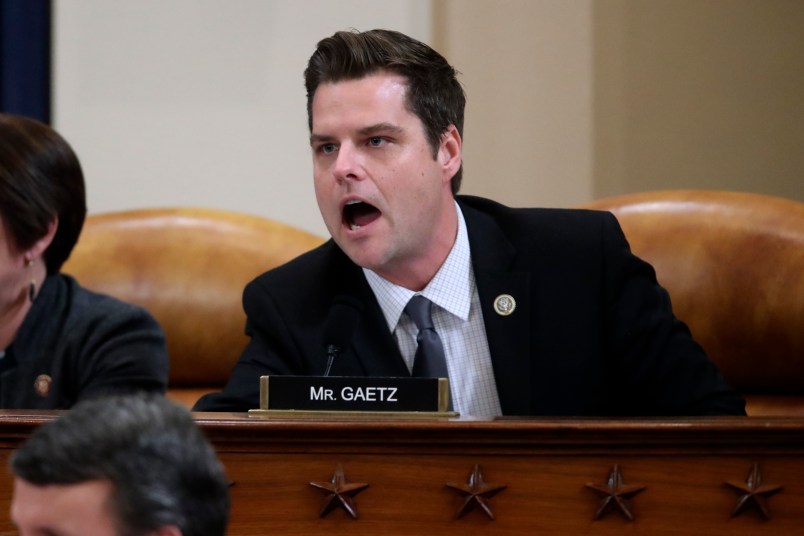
(429, 361)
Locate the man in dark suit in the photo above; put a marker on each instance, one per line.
(538, 311)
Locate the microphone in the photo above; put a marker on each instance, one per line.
(341, 323)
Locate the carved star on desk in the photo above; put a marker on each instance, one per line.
(616, 494)
(340, 493)
(477, 493)
(754, 493)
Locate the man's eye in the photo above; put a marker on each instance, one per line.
(375, 141)
(327, 148)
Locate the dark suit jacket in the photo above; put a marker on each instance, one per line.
(592, 333)
(76, 344)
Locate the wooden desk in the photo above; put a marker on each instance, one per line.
(544, 464)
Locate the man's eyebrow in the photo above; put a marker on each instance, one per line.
(318, 138)
(371, 130)
(380, 127)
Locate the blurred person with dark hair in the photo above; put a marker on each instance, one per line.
(59, 343)
(130, 465)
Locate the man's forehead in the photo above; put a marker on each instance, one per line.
(45, 505)
(362, 106)
(380, 87)
(373, 76)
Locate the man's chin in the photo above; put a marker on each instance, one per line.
(362, 256)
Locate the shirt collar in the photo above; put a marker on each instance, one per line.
(451, 288)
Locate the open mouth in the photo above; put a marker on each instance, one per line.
(359, 214)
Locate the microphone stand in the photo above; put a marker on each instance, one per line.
(332, 351)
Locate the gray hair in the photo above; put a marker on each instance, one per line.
(163, 470)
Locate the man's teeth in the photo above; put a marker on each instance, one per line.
(353, 226)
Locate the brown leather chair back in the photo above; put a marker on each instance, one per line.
(188, 267)
(734, 266)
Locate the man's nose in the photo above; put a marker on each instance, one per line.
(347, 164)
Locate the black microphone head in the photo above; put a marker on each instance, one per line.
(341, 322)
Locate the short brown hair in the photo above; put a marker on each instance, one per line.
(40, 180)
(434, 94)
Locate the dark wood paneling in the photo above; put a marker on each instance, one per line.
(544, 464)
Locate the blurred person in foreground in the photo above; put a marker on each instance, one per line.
(131, 465)
(538, 311)
(59, 343)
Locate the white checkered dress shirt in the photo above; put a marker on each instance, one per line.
(459, 322)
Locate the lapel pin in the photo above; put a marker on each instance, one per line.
(504, 304)
(43, 384)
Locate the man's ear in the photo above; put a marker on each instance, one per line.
(41, 245)
(450, 152)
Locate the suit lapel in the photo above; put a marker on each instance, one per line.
(374, 345)
(374, 348)
(509, 336)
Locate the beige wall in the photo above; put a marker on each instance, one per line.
(575, 99)
(568, 99)
(699, 94)
(201, 102)
(527, 70)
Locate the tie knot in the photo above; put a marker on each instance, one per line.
(418, 309)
